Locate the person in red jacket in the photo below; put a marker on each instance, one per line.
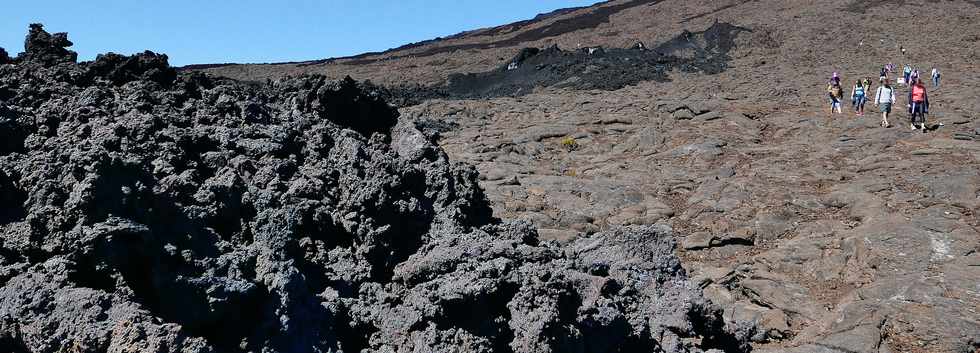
(918, 105)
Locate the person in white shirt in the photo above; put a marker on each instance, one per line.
(935, 77)
(884, 98)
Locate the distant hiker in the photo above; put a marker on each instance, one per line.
(902, 48)
(883, 75)
(918, 105)
(907, 71)
(935, 77)
(835, 78)
(867, 84)
(884, 100)
(836, 94)
(914, 77)
(857, 97)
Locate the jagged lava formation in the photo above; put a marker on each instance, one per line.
(590, 68)
(146, 211)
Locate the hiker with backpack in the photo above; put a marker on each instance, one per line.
(907, 72)
(883, 75)
(918, 105)
(836, 96)
(935, 77)
(857, 97)
(884, 99)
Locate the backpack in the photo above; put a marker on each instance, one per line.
(885, 94)
(859, 90)
(835, 91)
(918, 93)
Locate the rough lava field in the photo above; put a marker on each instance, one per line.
(634, 176)
(146, 211)
(824, 233)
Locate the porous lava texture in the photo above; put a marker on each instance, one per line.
(145, 211)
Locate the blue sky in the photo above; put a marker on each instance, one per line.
(213, 31)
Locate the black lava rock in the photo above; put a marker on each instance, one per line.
(45, 48)
(141, 212)
(120, 69)
(4, 57)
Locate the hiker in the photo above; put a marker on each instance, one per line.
(918, 105)
(884, 99)
(835, 78)
(935, 77)
(883, 75)
(836, 95)
(857, 97)
(867, 84)
(907, 72)
(914, 77)
(902, 48)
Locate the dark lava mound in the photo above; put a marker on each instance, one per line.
(145, 211)
(586, 68)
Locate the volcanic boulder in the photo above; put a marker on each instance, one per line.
(147, 212)
(43, 47)
(120, 69)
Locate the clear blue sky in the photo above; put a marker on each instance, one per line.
(217, 31)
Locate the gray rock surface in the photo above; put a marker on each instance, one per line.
(814, 214)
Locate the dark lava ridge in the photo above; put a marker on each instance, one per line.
(586, 68)
(584, 21)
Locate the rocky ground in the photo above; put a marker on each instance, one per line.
(146, 211)
(813, 232)
(831, 234)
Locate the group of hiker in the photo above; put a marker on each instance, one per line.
(884, 96)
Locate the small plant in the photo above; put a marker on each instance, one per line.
(569, 143)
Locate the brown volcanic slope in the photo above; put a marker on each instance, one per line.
(829, 233)
(788, 33)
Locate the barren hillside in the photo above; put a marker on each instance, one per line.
(828, 233)
(634, 176)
